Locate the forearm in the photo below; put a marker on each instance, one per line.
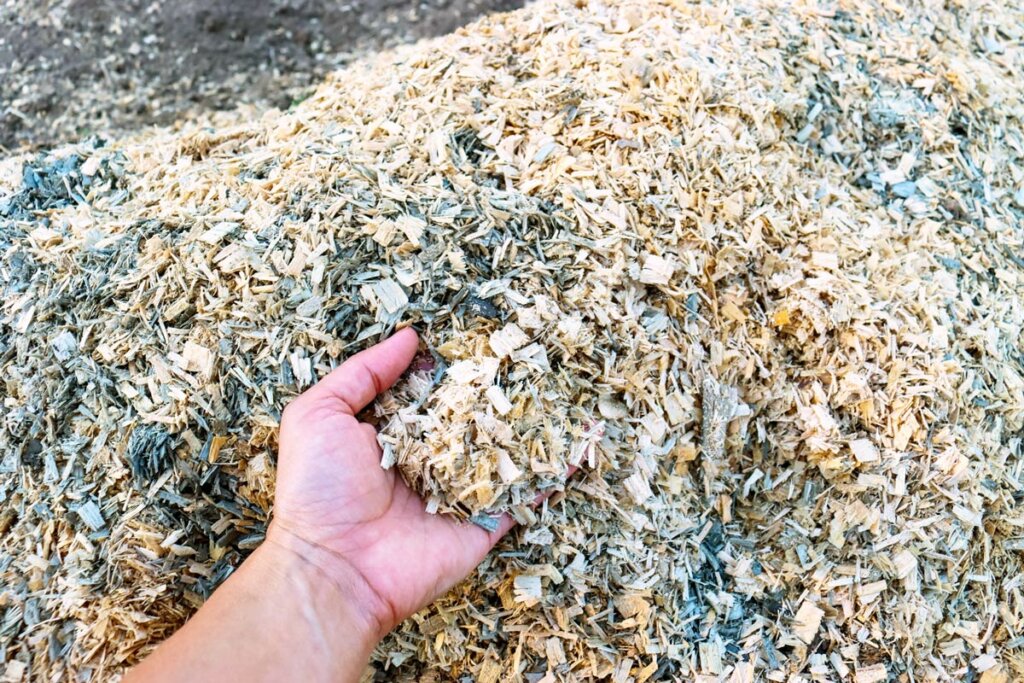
(273, 620)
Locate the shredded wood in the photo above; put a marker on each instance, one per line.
(755, 268)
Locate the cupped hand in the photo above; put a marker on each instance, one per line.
(356, 524)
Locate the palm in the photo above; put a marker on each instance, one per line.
(333, 494)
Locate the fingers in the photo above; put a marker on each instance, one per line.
(479, 540)
(506, 522)
(359, 379)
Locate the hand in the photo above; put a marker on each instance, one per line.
(352, 522)
(350, 553)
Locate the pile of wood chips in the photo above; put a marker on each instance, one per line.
(756, 267)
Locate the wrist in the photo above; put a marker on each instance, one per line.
(307, 612)
(341, 600)
(278, 617)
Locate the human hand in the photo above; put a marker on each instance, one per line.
(353, 523)
(350, 553)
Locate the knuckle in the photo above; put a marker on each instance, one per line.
(372, 379)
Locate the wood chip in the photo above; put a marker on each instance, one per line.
(864, 451)
(807, 621)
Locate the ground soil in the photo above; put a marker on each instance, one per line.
(72, 68)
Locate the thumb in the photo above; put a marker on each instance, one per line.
(359, 379)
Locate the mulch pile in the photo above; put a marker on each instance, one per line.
(756, 269)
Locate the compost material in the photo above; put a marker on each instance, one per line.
(755, 269)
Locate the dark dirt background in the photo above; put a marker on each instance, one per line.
(71, 68)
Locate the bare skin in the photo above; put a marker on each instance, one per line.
(351, 551)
